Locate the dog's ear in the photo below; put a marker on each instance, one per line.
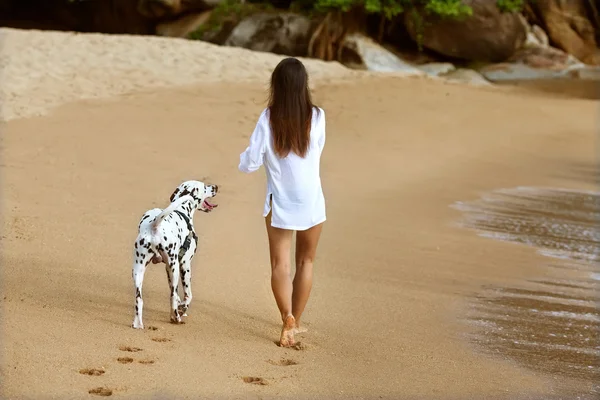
(174, 194)
(181, 191)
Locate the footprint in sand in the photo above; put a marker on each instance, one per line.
(92, 371)
(146, 362)
(299, 346)
(100, 391)
(161, 340)
(125, 360)
(130, 349)
(255, 380)
(284, 362)
(152, 328)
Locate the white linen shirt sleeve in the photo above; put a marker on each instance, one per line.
(252, 158)
(321, 141)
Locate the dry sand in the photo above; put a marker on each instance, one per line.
(392, 268)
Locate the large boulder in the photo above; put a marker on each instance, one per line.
(280, 33)
(437, 68)
(361, 52)
(170, 8)
(487, 35)
(184, 26)
(571, 26)
(468, 76)
(534, 63)
(105, 16)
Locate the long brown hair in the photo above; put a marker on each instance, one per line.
(291, 108)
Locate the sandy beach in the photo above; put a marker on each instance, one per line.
(99, 129)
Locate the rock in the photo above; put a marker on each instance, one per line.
(279, 33)
(183, 26)
(436, 69)
(540, 36)
(586, 73)
(536, 37)
(140, 17)
(468, 76)
(570, 27)
(533, 63)
(170, 8)
(361, 51)
(106, 16)
(549, 58)
(487, 35)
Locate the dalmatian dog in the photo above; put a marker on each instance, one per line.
(167, 236)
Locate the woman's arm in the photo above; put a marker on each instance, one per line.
(252, 158)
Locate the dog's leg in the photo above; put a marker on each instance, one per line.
(186, 283)
(139, 268)
(173, 277)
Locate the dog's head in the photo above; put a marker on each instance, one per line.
(201, 193)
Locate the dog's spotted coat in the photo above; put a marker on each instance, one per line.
(168, 236)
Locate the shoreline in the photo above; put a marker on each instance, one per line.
(396, 271)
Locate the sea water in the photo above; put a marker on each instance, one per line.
(550, 324)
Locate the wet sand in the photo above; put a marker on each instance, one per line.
(567, 88)
(549, 323)
(394, 271)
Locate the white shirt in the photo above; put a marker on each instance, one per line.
(293, 182)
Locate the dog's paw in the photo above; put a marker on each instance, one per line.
(176, 318)
(182, 309)
(137, 324)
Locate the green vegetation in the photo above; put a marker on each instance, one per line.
(228, 11)
(391, 8)
(510, 5)
(235, 10)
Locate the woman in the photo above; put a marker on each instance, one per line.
(288, 139)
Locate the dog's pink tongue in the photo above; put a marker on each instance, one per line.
(211, 205)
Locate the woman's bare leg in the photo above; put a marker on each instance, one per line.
(306, 249)
(280, 241)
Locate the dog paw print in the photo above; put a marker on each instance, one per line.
(130, 349)
(146, 362)
(92, 371)
(253, 380)
(284, 362)
(152, 328)
(101, 391)
(161, 339)
(125, 360)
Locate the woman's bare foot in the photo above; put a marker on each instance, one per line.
(287, 332)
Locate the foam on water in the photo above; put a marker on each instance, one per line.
(561, 223)
(550, 324)
(570, 315)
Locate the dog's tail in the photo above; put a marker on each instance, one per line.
(172, 207)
